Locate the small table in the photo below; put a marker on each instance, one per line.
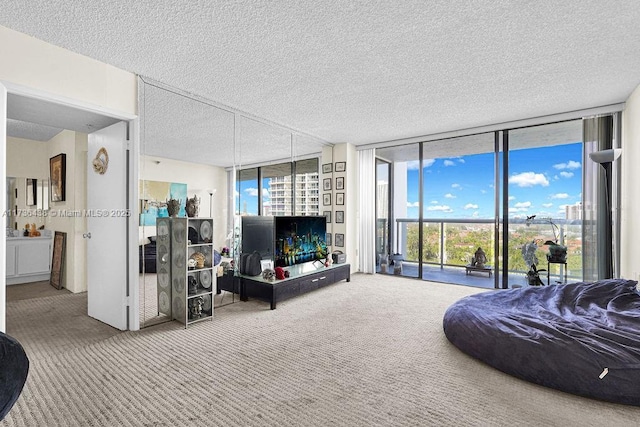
(486, 269)
(549, 262)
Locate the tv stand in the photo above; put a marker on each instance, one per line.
(302, 279)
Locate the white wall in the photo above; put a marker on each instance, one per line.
(347, 153)
(199, 178)
(33, 63)
(630, 203)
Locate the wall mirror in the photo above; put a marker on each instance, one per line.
(25, 194)
(191, 147)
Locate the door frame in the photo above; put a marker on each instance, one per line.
(134, 157)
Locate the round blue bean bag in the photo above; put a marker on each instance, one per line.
(582, 338)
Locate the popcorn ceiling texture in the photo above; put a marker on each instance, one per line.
(361, 71)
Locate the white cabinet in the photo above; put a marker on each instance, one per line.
(28, 259)
(11, 260)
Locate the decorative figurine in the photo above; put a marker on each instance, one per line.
(479, 258)
(193, 206)
(173, 207)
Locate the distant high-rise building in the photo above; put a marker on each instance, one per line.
(573, 212)
(306, 196)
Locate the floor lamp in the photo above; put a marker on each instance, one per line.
(605, 158)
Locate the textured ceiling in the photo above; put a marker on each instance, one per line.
(361, 71)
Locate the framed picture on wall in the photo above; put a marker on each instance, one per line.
(340, 183)
(327, 214)
(326, 199)
(339, 217)
(340, 240)
(341, 166)
(326, 184)
(327, 168)
(329, 243)
(339, 198)
(57, 177)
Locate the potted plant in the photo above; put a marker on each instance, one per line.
(530, 258)
(557, 252)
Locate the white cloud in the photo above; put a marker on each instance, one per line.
(523, 205)
(434, 202)
(265, 193)
(471, 206)
(442, 208)
(415, 164)
(413, 204)
(476, 214)
(529, 179)
(547, 205)
(560, 196)
(251, 191)
(461, 160)
(456, 186)
(512, 197)
(569, 165)
(449, 163)
(449, 196)
(566, 174)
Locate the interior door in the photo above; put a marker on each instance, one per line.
(107, 216)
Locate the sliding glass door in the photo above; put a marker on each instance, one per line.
(467, 210)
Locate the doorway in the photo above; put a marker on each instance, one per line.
(29, 112)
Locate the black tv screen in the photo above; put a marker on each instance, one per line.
(258, 235)
(300, 239)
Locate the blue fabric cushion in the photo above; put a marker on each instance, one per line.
(582, 338)
(14, 367)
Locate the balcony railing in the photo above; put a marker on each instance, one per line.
(453, 242)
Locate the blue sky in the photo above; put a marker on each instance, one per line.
(541, 182)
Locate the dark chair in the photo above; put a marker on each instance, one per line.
(14, 367)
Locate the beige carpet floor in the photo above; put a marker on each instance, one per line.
(366, 353)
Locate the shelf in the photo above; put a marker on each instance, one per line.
(199, 293)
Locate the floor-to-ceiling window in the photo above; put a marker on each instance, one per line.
(290, 188)
(383, 193)
(495, 192)
(545, 198)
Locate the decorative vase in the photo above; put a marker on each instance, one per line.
(173, 207)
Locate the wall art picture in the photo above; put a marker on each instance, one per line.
(340, 183)
(339, 217)
(326, 199)
(326, 184)
(328, 215)
(57, 177)
(340, 240)
(327, 168)
(154, 196)
(57, 262)
(328, 239)
(341, 166)
(340, 199)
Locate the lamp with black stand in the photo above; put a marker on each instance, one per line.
(605, 158)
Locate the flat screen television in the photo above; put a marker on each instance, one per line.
(299, 239)
(257, 235)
